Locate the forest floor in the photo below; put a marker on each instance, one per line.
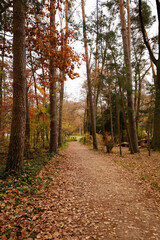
(87, 195)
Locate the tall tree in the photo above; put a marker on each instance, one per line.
(53, 112)
(96, 57)
(131, 111)
(64, 43)
(16, 147)
(156, 129)
(1, 80)
(92, 109)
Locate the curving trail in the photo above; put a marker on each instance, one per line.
(95, 199)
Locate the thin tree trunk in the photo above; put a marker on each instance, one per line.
(44, 100)
(53, 112)
(111, 118)
(60, 115)
(34, 79)
(118, 122)
(139, 97)
(84, 122)
(27, 134)
(131, 111)
(17, 139)
(1, 81)
(36, 96)
(60, 133)
(43, 132)
(96, 64)
(92, 110)
(102, 68)
(129, 28)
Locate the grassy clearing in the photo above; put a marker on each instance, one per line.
(72, 138)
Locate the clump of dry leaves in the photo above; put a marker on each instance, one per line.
(21, 199)
(146, 167)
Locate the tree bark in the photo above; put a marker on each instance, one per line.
(96, 63)
(34, 79)
(27, 134)
(60, 140)
(111, 118)
(118, 121)
(53, 98)
(92, 110)
(16, 147)
(156, 128)
(131, 111)
(2, 74)
(129, 28)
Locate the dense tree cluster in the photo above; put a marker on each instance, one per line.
(38, 42)
(122, 88)
(124, 82)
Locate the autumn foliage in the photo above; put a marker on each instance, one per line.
(39, 36)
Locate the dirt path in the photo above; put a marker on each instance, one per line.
(96, 199)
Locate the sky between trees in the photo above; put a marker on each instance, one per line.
(73, 88)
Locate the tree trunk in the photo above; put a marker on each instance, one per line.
(96, 65)
(53, 114)
(92, 110)
(34, 79)
(123, 105)
(139, 96)
(156, 129)
(111, 118)
(129, 28)
(53, 111)
(17, 139)
(60, 140)
(60, 115)
(1, 80)
(118, 121)
(2, 74)
(27, 134)
(131, 111)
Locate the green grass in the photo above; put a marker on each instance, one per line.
(72, 138)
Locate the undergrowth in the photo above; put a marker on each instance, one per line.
(18, 193)
(26, 183)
